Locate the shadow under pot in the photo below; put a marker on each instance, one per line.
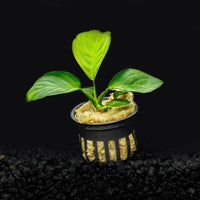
(107, 141)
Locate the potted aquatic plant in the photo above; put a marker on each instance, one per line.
(105, 123)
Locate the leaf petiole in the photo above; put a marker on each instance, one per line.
(94, 90)
(88, 92)
(101, 96)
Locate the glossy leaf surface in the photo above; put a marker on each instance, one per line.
(53, 83)
(117, 102)
(118, 93)
(89, 49)
(134, 80)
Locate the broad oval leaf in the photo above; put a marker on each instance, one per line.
(117, 102)
(134, 80)
(52, 83)
(89, 49)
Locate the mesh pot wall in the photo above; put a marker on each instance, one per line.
(107, 141)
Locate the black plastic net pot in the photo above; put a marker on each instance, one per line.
(107, 141)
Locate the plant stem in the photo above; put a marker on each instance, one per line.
(94, 88)
(101, 96)
(90, 97)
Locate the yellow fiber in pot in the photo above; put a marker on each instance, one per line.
(87, 113)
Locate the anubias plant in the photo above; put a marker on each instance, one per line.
(89, 49)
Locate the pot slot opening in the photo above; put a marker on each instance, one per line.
(132, 143)
(90, 150)
(101, 151)
(112, 150)
(123, 148)
(83, 147)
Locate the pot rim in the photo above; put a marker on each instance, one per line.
(104, 123)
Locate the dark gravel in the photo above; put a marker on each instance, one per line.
(43, 174)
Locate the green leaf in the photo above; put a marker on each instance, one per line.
(117, 102)
(135, 81)
(101, 96)
(88, 90)
(89, 49)
(118, 93)
(52, 83)
(89, 93)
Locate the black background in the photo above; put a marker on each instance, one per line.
(161, 39)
